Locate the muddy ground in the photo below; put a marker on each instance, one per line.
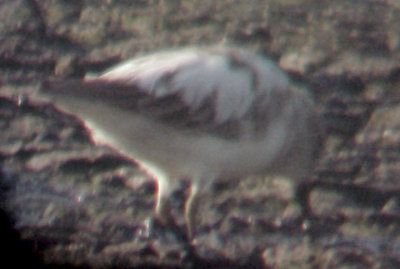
(66, 202)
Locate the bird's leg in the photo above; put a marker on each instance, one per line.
(163, 213)
(303, 190)
(191, 208)
(162, 209)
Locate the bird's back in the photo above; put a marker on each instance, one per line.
(222, 110)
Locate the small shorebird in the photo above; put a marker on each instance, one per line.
(199, 114)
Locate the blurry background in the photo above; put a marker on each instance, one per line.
(67, 203)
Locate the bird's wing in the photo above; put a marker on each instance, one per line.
(191, 89)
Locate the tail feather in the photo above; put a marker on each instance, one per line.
(112, 92)
(56, 87)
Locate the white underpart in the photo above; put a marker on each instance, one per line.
(240, 82)
(197, 75)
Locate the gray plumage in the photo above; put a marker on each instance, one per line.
(200, 114)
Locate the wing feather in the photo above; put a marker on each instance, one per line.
(199, 90)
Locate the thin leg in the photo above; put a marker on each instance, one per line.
(303, 191)
(191, 208)
(162, 209)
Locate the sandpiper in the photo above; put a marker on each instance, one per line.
(199, 114)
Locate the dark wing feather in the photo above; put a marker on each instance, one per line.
(95, 89)
(213, 90)
(168, 109)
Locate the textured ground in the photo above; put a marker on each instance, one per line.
(72, 203)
